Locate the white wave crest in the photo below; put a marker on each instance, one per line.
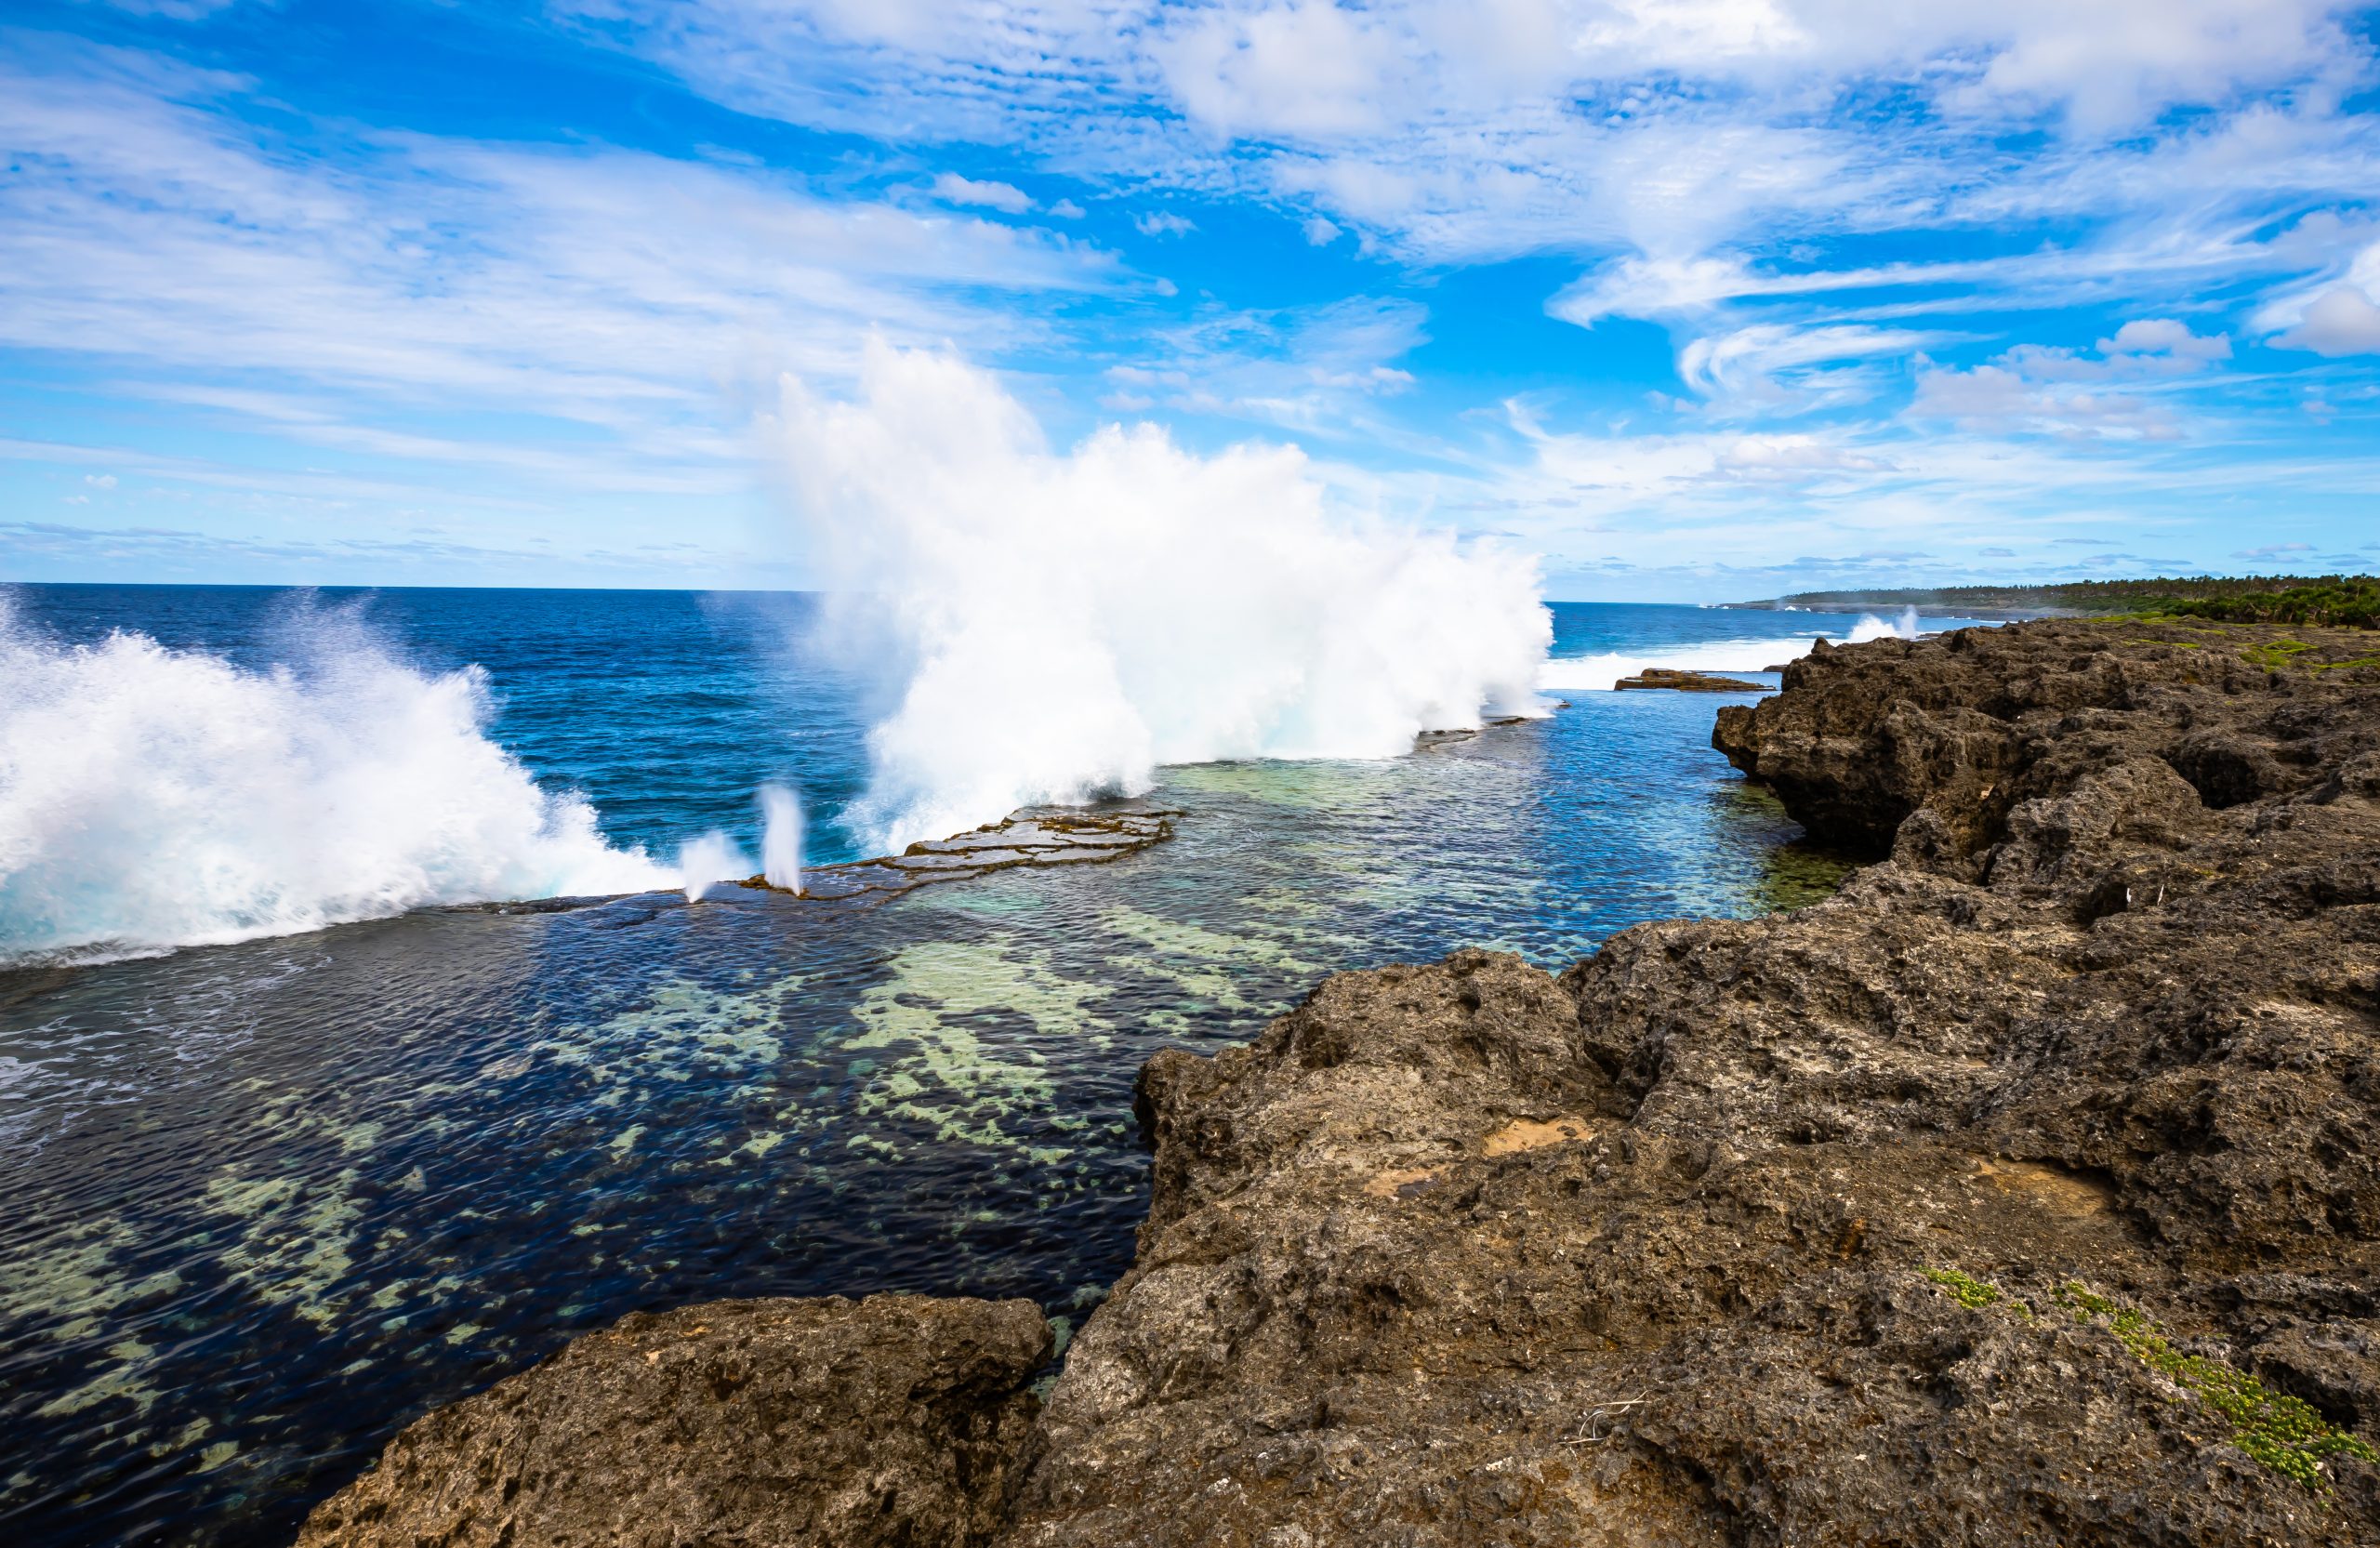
(1060, 623)
(1719, 657)
(152, 798)
(1871, 626)
(1722, 657)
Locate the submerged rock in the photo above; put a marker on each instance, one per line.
(899, 1420)
(2026, 1191)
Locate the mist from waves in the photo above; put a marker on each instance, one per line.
(153, 798)
(1054, 624)
(1601, 669)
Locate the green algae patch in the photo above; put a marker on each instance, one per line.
(2282, 1431)
(1973, 1293)
(2276, 654)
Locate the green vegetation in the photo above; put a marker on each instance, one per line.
(2276, 656)
(1975, 1295)
(2350, 601)
(2280, 1431)
(2340, 602)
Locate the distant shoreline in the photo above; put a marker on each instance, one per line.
(2306, 597)
(1924, 609)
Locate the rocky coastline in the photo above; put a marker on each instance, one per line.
(2026, 1191)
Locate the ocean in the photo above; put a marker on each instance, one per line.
(300, 1142)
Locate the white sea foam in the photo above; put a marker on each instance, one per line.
(1575, 674)
(1060, 623)
(1719, 657)
(152, 798)
(1870, 626)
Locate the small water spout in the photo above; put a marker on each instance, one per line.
(781, 838)
(711, 858)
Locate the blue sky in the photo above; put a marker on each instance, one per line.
(1697, 300)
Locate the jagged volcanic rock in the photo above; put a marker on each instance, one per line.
(1465, 1254)
(894, 1420)
(2026, 1192)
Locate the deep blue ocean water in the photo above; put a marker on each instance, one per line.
(269, 1201)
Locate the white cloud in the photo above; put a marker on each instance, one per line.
(1304, 68)
(1771, 366)
(1066, 209)
(952, 188)
(1163, 223)
(1318, 231)
(100, 481)
(1313, 371)
(2167, 338)
(2341, 321)
(174, 10)
(390, 293)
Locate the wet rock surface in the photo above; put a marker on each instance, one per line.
(893, 1421)
(2026, 1191)
(1036, 835)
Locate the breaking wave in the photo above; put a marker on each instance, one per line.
(1056, 624)
(1719, 657)
(153, 798)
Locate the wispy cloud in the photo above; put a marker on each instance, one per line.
(1858, 285)
(413, 281)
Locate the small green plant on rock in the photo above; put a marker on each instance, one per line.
(1973, 1293)
(2274, 657)
(2278, 1430)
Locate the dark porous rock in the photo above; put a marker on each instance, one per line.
(2024, 1191)
(831, 1424)
(1690, 682)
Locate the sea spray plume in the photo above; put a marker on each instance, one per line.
(1067, 621)
(781, 838)
(152, 798)
(1871, 626)
(708, 859)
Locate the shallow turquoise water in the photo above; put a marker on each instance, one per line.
(269, 1201)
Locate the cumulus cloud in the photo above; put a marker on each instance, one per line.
(2341, 321)
(2050, 390)
(1163, 223)
(952, 188)
(2167, 338)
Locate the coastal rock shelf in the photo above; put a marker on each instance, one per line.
(2026, 1191)
(1036, 835)
(1690, 682)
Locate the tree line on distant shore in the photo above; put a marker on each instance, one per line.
(2344, 601)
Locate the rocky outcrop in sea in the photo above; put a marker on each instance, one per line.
(2026, 1191)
